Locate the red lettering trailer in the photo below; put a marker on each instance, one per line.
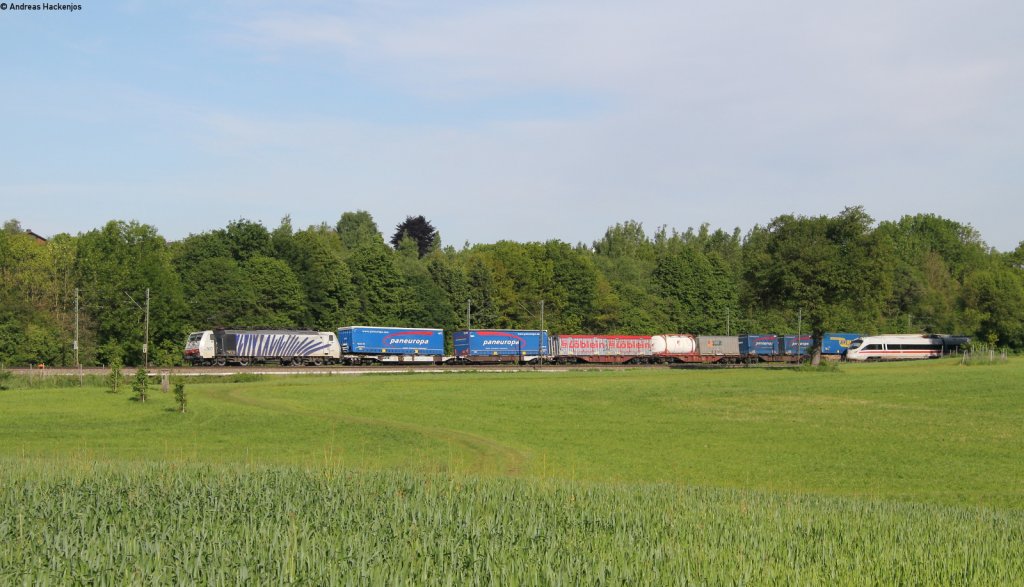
(600, 348)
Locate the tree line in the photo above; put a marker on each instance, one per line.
(922, 273)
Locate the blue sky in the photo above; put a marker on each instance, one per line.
(523, 120)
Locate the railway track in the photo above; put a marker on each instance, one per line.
(326, 370)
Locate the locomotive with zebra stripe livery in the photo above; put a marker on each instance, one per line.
(243, 347)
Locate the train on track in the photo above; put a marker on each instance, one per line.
(356, 345)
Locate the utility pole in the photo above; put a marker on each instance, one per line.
(469, 305)
(540, 339)
(145, 344)
(77, 364)
(799, 333)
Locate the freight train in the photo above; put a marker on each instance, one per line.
(383, 345)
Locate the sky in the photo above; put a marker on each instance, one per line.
(525, 120)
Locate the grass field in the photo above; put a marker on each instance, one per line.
(908, 472)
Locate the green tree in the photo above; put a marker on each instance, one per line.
(828, 267)
(30, 330)
(326, 279)
(930, 258)
(626, 257)
(420, 230)
(279, 299)
(449, 275)
(993, 298)
(378, 291)
(481, 283)
(698, 293)
(357, 229)
(141, 384)
(427, 303)
(119, 262)
(247, 239)
(180, 398)
(115, 379)
(219, 294)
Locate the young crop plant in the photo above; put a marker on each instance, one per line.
(281, 525)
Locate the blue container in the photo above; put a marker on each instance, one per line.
(387, 340)
(500, 343)
(759, 344)
(836, 343)
(791, 346)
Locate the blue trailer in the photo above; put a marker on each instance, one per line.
(484, 346)
(390, 344)
(759, 346)
(836, 343)
(793, 345)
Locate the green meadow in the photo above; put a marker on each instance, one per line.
(908, 473)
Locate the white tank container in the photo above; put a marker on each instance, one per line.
(673, 344)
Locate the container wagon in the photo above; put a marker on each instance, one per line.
(795, 346)
(721, 349)
(391, 344)
(755, 348)
(600, 348)
(501, 346)
(686, 348)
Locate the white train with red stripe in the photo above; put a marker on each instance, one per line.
(897, 347)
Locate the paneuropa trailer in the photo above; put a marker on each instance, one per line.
(391, 344)
(485, 346)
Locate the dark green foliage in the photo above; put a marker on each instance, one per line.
(825, 267)
(420, 230)
(279, 298)
(378, 291)
(116, 265)
(319, 263)
(246, 239)
(922, 273)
